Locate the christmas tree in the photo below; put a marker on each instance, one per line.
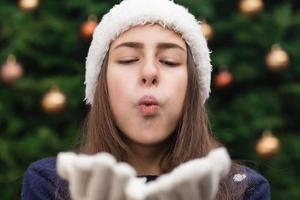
(253, 107)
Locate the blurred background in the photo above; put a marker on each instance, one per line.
(253, 109)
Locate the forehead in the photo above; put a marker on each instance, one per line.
(149, 34)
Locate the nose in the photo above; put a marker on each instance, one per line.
(149, 74)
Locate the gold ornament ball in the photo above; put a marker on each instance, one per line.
(223, 79)
(53, 101)
(277, 59)
(88, 27)
(251, 7)
(11, 70)
(268, 145)
(28, 5)
(207, 31)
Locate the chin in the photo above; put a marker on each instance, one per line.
(147, 139)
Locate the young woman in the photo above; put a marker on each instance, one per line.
(147, 79)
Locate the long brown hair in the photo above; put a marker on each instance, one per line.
(192, 137)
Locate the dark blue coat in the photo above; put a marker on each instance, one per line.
(41, 182)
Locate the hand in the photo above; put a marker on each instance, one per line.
(100, 177)
(94, 177)
(196, 179)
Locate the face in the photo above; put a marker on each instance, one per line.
(147, 81)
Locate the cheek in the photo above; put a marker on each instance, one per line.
(177, 85)
(115, 84)
(120, 89)
(174, 87)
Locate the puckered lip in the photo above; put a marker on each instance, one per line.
(148, 100)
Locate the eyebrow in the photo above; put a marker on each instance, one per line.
(162, 45)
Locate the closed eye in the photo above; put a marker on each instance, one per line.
(170, 63)
(126, 62)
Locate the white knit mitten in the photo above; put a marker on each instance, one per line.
(94, 177)
(100, 177)
(196, 179)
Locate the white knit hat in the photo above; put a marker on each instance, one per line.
(130, 13)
